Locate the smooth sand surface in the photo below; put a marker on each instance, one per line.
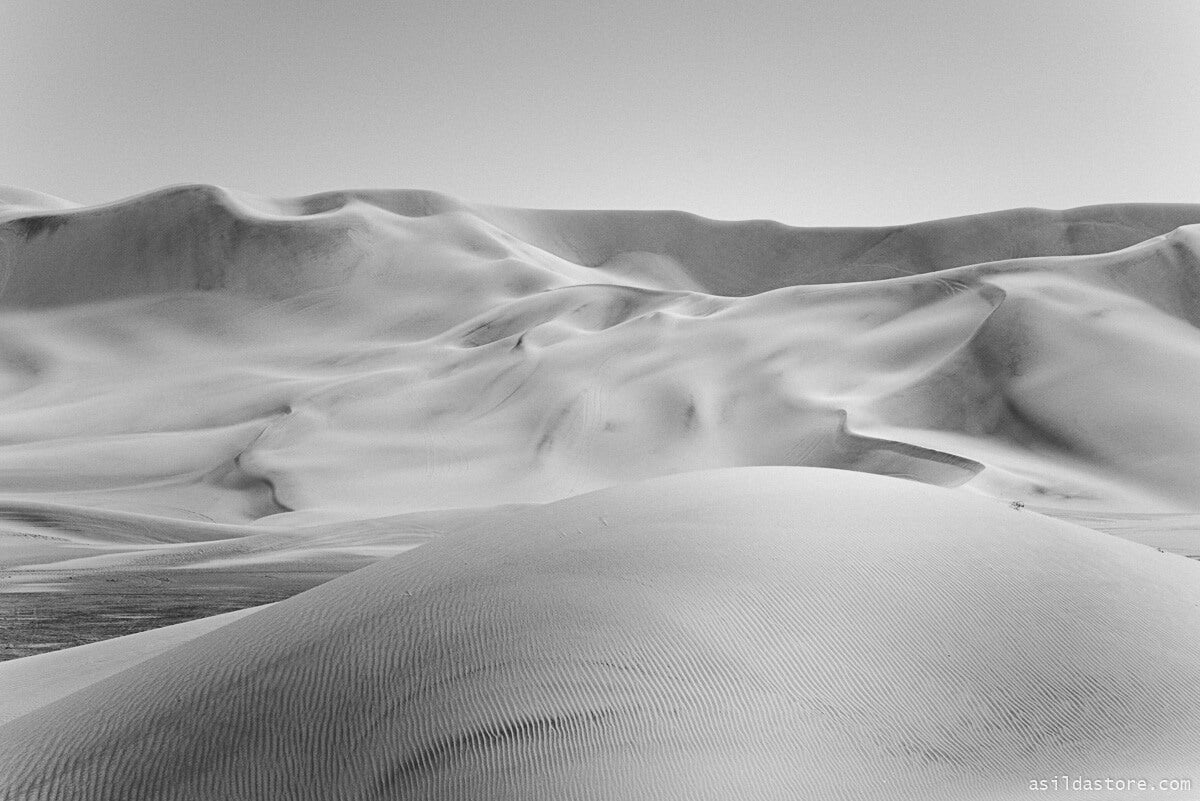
(199, 383)
(199, 355)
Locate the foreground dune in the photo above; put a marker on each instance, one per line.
(769, 632)
(36, 681)
(703, 508)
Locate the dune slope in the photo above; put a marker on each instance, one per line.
(703, 508)
(694, 636)
(201, 354)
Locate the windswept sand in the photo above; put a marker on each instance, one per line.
(35, 681)
(723, 507)
(781, 632)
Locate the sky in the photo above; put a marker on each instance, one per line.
(812, 113)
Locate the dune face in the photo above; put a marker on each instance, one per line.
(693, 636)
(202, 355)
(703, 508)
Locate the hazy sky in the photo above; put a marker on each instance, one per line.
(835, 112)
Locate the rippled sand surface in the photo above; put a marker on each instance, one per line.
(703, 508)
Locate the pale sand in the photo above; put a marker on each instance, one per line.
(35, 681)
(351, 361)
(765, 632)
(199, 380)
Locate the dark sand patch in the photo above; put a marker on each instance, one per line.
(51, 610)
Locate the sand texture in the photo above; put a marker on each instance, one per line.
(587, 504)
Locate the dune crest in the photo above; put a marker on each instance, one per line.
(207, 237)
(247, 353)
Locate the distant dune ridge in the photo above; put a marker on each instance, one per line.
(704, 509)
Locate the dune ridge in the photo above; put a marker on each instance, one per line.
(206, 237)
(832, 454)
(417, 299)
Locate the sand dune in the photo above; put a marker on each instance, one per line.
(251, 356)
(222, 395)
(37, 681)
(694, 636)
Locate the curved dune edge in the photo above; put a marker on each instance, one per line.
(35, 681)
(772, 632)
(203, 355)
(208, 237)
